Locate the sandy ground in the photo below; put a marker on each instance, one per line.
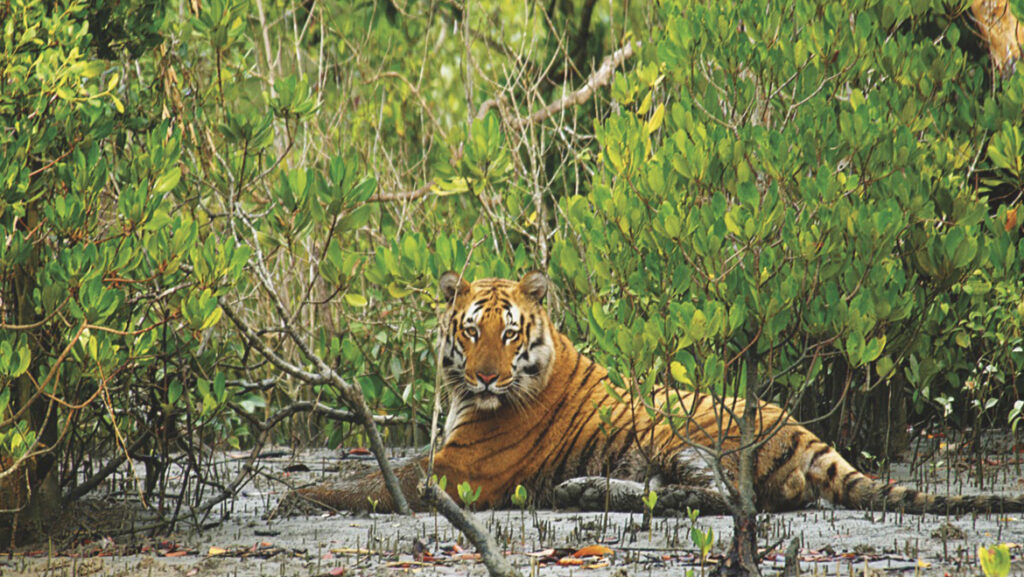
(542, 543)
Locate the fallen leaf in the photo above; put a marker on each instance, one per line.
(598, 565)
(175, 553)
(214, 551)
(593, 551)
(570, 561)
(336, 571)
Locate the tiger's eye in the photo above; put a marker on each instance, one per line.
(470, 332)
(510, 335)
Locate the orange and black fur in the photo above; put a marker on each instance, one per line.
(524, 409)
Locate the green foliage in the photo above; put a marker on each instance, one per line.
(806, 190)
(467, 494)
(807, 195)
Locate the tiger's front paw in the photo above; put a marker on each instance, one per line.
(599, 493)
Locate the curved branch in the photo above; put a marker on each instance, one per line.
(600, 77)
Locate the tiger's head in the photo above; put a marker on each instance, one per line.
(497, 348)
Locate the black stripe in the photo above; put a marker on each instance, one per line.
(555, 412)
(846, 477)
(478, 418)
(560, 453)
(780, 460)
(567, 450)
(824, 450)
(581, 466)
(625, 445)
(832, 470)
(587, 373)
(851, 483)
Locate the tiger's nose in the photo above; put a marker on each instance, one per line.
(486, 379)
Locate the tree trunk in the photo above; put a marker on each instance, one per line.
(33, 490)
(742, 557)
(741, 560)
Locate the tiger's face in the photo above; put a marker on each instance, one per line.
(497, 347)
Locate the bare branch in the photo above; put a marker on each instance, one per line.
(314, 407)
(600, 77)
(350, 394)
(406, 195)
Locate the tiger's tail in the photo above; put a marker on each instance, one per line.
(839, 482)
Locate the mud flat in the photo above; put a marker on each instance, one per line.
(101, 538)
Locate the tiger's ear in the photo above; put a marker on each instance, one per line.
(535, 285)
(451, 283)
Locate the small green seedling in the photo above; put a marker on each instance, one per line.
(519, 500)
(650, 501)
(519, 497)
(701, 539)
(441, 483)
(467, 494)
(995, 561)
(373, 503)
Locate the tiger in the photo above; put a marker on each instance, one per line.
(526, 408)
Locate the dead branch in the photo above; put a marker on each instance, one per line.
(313, 407)
(350, 393)
(405, 195)
(600, 77)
